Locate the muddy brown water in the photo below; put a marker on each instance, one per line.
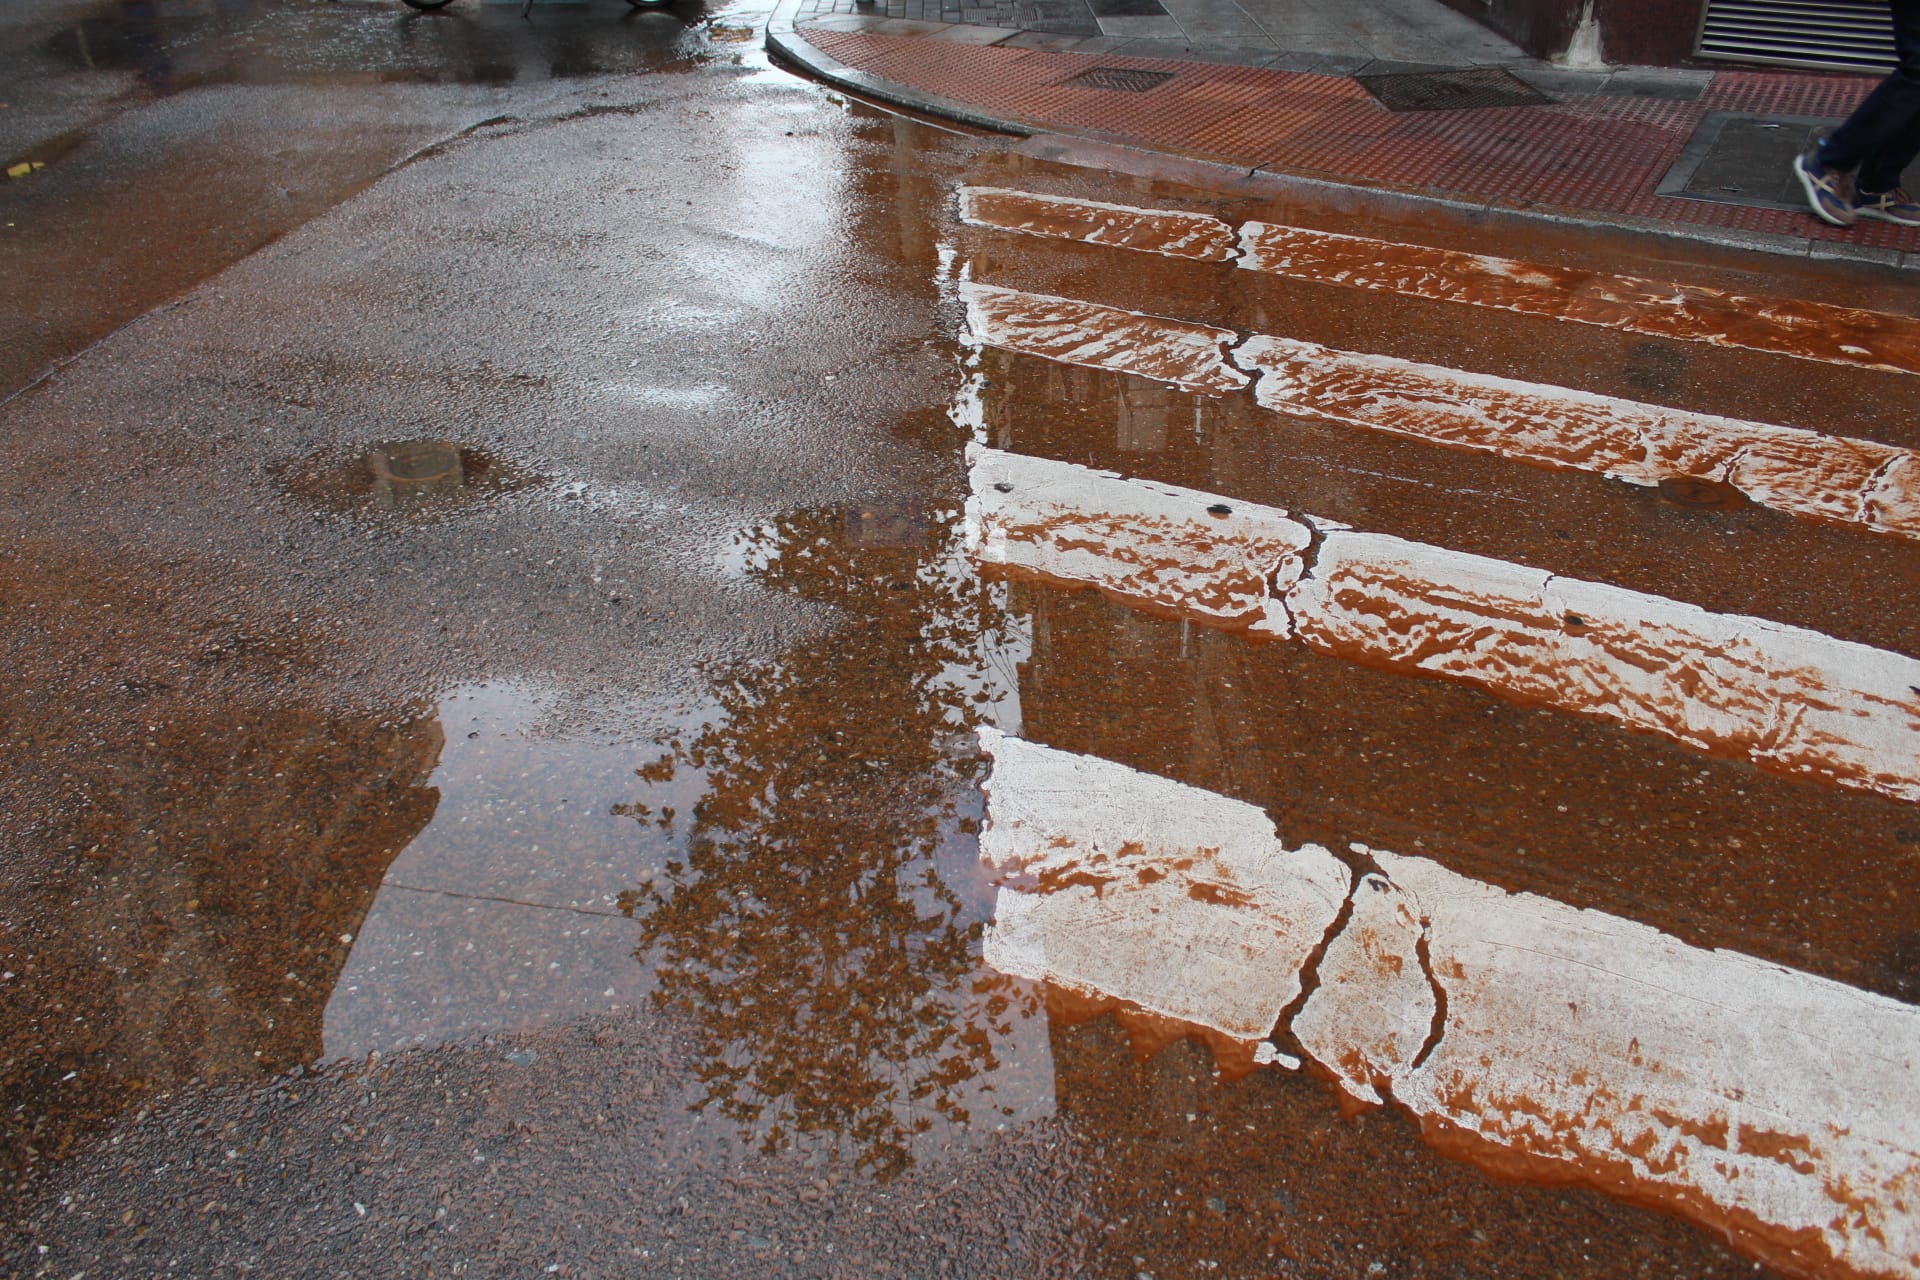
(660, 717)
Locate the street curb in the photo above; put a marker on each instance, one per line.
(787, 44)
(1092, 149)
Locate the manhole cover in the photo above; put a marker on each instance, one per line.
(1735, 158)
(1464, 90)
(1123, 78)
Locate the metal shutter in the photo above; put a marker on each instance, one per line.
(1852, 35)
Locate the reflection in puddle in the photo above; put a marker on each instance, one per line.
(423, 476)
(1790, 699)
(1808, 330)
(504, 912)
(792, 867)
(821, 928)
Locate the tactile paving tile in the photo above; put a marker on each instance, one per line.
(1584, 153)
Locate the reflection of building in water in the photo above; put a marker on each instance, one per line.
(821, 932)
(1142, 412)
(504, 913)
(227, 864)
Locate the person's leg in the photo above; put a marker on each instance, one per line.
(1882, 123)
(1883, 129)
(1899, 137)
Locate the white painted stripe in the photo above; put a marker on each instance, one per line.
(1752, 1097)
(1788, 698)
(1171, 233)
(1663, 309)
(1802, 473)
(1781, 1107)
(1691, 313)
(1151, 544)
(1799, 472)
(1122, 882)
(1187, 355)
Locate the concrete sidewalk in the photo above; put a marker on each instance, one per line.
(1405, 98)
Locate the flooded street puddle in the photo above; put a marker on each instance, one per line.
(791, 868)
(742, 744)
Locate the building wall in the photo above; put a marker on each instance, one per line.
(1638, 32)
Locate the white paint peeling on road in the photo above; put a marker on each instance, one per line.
(1692, 313)
(1171, 233)
(1168, 548)
(1528, 1036)
(1778, 1105)
(1787, 698)
(1373, 1008)
(1800, 472)
(1183, 901)
(1190, 356)
(1662, 309)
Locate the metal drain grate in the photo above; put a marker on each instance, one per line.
(1849, 34)
(1464, 90)
(1123, 78)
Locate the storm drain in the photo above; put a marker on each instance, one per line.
(1123, 78)
(1737, 158)
(1465, 90)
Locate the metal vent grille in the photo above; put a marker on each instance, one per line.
(1852, 35)
(1125, 78)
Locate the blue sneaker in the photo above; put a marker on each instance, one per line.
(1825, 188)
(1892, 206)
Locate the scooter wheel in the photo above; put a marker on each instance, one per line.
(427, 4)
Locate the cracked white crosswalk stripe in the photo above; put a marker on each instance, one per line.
(1790, 699)
(1802, 473)
(1137, 539)
(1190, 356)
(1530, 1036)
(1220, 943)
(1171, 233)
(1691, 313)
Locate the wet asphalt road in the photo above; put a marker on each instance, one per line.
(487, 782)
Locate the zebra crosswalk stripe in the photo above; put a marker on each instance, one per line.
(1776, 1104)
(1804, 330)
(1789, 699)
(1803, 473)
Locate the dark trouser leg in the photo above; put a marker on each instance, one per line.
(1882, 136)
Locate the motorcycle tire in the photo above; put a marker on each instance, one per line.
(427, 5)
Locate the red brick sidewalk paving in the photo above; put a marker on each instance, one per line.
(1583, 154)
